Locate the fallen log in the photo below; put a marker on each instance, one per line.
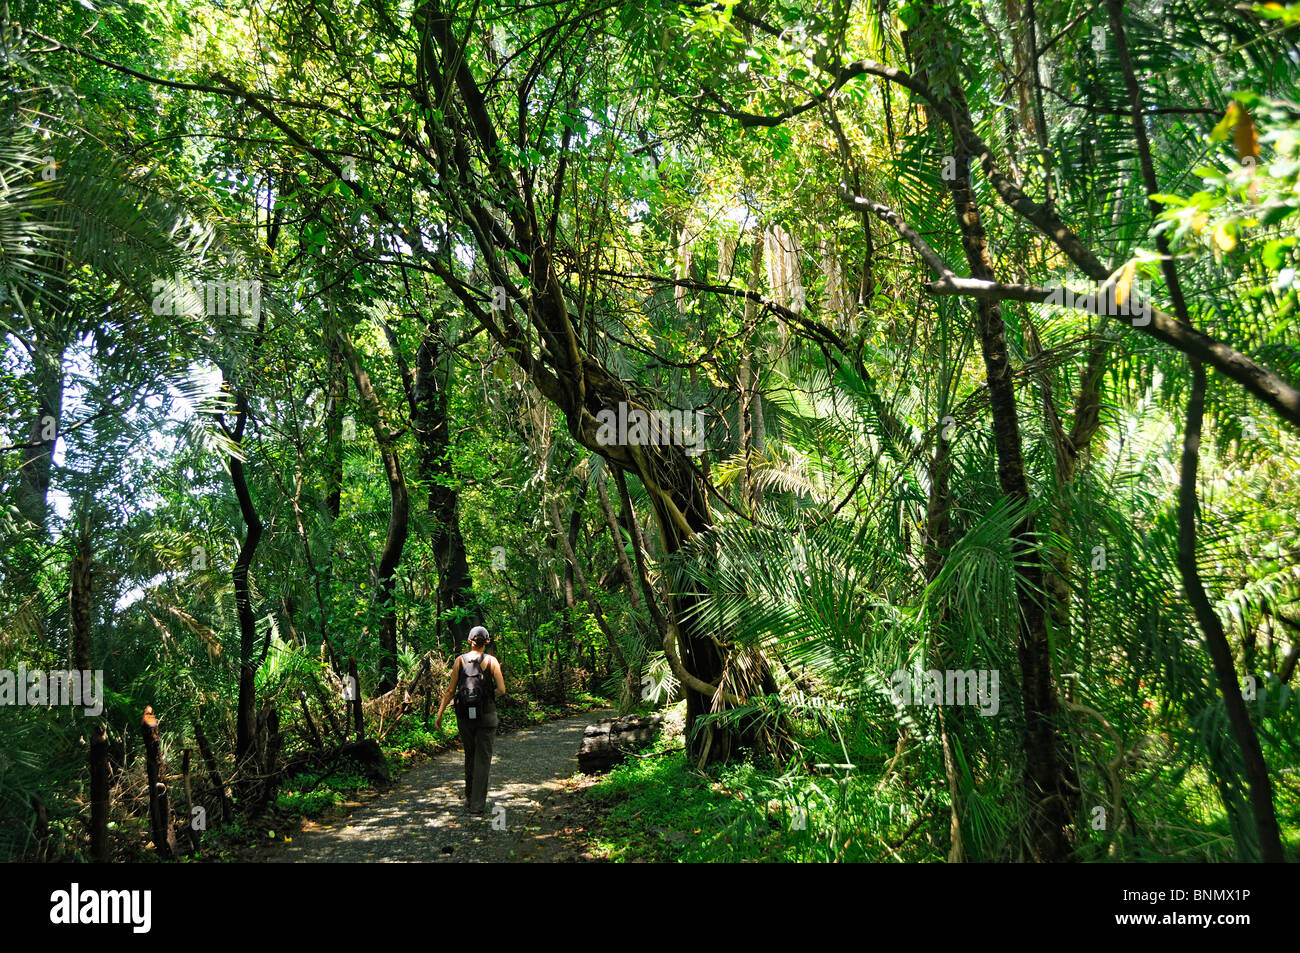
(609, 742)
(365, 755)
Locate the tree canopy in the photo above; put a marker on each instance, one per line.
(908, 393)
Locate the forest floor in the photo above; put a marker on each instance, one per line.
(533, 812)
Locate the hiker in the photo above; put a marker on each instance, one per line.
(476, 683)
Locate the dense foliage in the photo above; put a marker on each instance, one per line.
(972, 329)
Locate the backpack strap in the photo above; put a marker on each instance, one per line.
(478, 663)
(464, 670)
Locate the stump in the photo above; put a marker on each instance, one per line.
(366, 756)
(160, 817)
(609, 742)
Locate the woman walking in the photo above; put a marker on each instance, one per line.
(476, 683)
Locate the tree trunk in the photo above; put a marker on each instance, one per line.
(269, 730)
(751, 402)
(160, 822)
(395, 542)
(1216, 642)
(99, 794)
(572, 559)
(214, 774)
(246, 706)
(632, 666)
(456, 598)
(32, 494)
(1046, 781)
(338, 395)
(191, 831)
(79, 602)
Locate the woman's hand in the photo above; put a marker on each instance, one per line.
(447, 695)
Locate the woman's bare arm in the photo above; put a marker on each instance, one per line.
(446, 696)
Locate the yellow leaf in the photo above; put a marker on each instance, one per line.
(1244, 136)
(1226, 124)
(1125, 283)
(1223, 238)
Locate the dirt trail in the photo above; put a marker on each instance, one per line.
(420, 819)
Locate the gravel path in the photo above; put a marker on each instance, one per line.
(421, 818)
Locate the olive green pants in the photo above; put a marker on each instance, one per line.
(478, 736)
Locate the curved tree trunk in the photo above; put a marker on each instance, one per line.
(1216, 642)
(246, 706)
(468, 146)
(323, 575)
(399, 510)
(31, 488)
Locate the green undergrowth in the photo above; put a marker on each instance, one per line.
(661, 807)
(318, 793)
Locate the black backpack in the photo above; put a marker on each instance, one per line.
(477, 690)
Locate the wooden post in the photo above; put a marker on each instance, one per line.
(160, 822)
(165, 822)
(99, 795)
(358, 723)
(214, 776)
